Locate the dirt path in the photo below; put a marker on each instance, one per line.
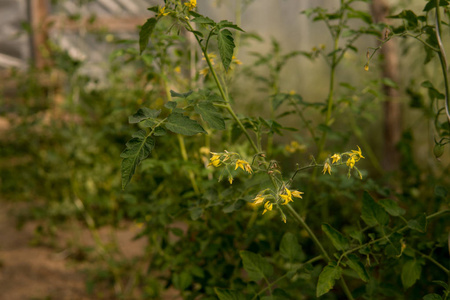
(37, 272)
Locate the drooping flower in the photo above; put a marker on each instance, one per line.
(240, 163)
(259, 199)
(336, 157)
(358, 153)
(326, 168)
(267, 206)
(351, 162)
(297, 194)
(191, 4)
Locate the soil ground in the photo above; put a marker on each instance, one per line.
(30, 272)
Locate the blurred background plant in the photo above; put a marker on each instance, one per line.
(66, 125)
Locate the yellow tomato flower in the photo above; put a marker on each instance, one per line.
(191, 4)
(336, 157)
(162, 13)
(215, 160)
(357, 152)
(287, 197)
(351, 162)
(267, 206)
(326, 168)
(204, 72)
(230, 179)
(240, 163)
(236, 61)
(297, 194)
(259, 199)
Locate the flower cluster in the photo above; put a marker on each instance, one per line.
(191, 4)
(353, 157)
(229, 159)
(283, 197)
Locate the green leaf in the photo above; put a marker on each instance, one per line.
(372, 212)
(441, 283)
(137, 149)
(182, 280)
(432, 4)
(195, 212)
(339, 241)
(179, 95)
(394, 247)
(211, 115)
(419, 223)
(409, 16)
(226, 46)
(289, 247)
(392, 207)
(145, 33)
(226, 294)
(224, 24)
(356, 265)
(143, 114)
(411, 271)
(327, 278)
(170, 105)
(234, 206)
(255, 265)
(159, 131)
(432, 297)
(179, 123)
(203, 20)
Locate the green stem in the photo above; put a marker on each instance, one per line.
(442, 59)
(227, 106)
(447, 271)
(432, 216)
(320, 246)
(310, 232)
(185, 158)
(312, 260)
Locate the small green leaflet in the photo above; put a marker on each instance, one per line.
(290, 248)
(392, 207)
(339, 241)
(226, 46)
(145, 33)
(143, 114)
(255, 265)
(327, 278)
(179, 123)
(138, 149)
(411, 272)
(211, 115)
(226, 294)
(354, 263)
(432, 297)
(419, 223)
(372, 212)
(182, 280)
(432, 4)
